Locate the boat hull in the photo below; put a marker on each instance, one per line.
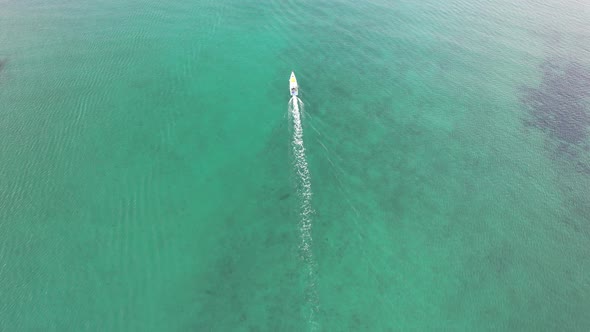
(293, 87)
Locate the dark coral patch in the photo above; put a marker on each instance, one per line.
(559, 106)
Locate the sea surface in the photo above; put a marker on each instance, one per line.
(156, 176)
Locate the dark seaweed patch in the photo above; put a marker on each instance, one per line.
(558, 105)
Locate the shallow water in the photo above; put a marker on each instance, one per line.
(149, 181)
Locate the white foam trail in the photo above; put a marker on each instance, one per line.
(306, 212)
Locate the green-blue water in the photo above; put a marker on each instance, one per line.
(149, 180)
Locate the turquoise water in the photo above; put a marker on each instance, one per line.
(150, 180)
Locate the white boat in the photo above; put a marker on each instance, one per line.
(293, 87)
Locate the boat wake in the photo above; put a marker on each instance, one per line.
(306, 211)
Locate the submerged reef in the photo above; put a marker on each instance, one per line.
(559, 106)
